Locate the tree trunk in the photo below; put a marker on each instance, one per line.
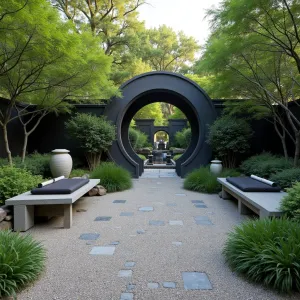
(285, 152)
(297, 150)
(6, 144)
(24, 147)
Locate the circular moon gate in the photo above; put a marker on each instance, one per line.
(166, 87)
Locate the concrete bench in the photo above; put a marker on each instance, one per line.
(26, 206)
(264, 204)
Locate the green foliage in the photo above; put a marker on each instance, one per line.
(137, 138)
(177, 114)
(36, 164)
(265, 165)
(202, 180)
(286, 178)
(183, 137)
(93, 134)
(266, 251)
(141, 156)
(229, 137)
(21, 261)
(151, 111)
(15, 181)
(290, 204)
(78, 173)
(177, 156)
(114, 178)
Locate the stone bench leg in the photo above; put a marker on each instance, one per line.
(263, 214)
(67, 215)
(243, 209)
(225, 195)
(23, 217)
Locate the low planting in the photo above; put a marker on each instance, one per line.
(177, 156)
(266, 251)
(114, 178)
(21, 261)
(78, 173)
(265, 165)
(286, 178)
(183, 138)
(15, 181)
(290, 204)
(137, 138)
(202, 180)
(141, 156)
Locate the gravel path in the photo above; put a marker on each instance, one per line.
(152, 249)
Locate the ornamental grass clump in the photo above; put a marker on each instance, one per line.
(114, 178)
(266, 251)
(21, 261)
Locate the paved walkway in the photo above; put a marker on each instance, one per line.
(153, 242)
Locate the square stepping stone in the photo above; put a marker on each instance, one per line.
(129, 264)
(171, 204)
(197, 201)
(153, 285)
(103, 250)
(126, 296)
(119, 201)
(126, 214)
(169, 285)
(141, 231)
(89, 236)
(202, 220)
(196, 281)
(130, 287)
(156, 223)
(103, 219)
(146, 208)
(176, 222)
(200, 205)
(182, 195)
(125, 273)
(177, 243)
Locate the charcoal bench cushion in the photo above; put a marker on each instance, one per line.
(248, 184)
(64, 186)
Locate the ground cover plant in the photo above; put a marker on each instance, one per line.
(78, 173)
(113, 177)
(286, 178)
(141, 156)
(265, 165)
(202, 180)
(290, 204)
(21, 261)
(15, 181)
(266, 251)
(177, 156)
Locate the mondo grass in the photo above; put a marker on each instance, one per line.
(202, 180)
(21, 261)
(114, 178)
(266, 251)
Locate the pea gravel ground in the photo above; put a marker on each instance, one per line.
(157, 255)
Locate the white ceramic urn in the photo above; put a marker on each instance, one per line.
(216, 167)
(61, 163)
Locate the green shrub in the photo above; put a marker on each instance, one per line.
(141, 156)
(37, 164)
(114, 178)
(177, 156)
(183, 138)
(229, 138)
(93, 134)
(78, 173)
(265, 165)
(21, 261)
(15, 181)
(290, 204)
(266, 251)
(137, 138)
(286, 178)
(202, 180)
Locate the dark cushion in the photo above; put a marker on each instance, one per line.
(64, 186)
(248, 184)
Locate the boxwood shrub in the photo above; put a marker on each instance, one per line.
(290, 204)
(114, 178)
(202, 180)
(21, 261)
(286, 178)
(266, 251)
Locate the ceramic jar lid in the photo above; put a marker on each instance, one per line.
(60, 151)
(216, 161)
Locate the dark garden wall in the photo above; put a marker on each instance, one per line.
(51, 133)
